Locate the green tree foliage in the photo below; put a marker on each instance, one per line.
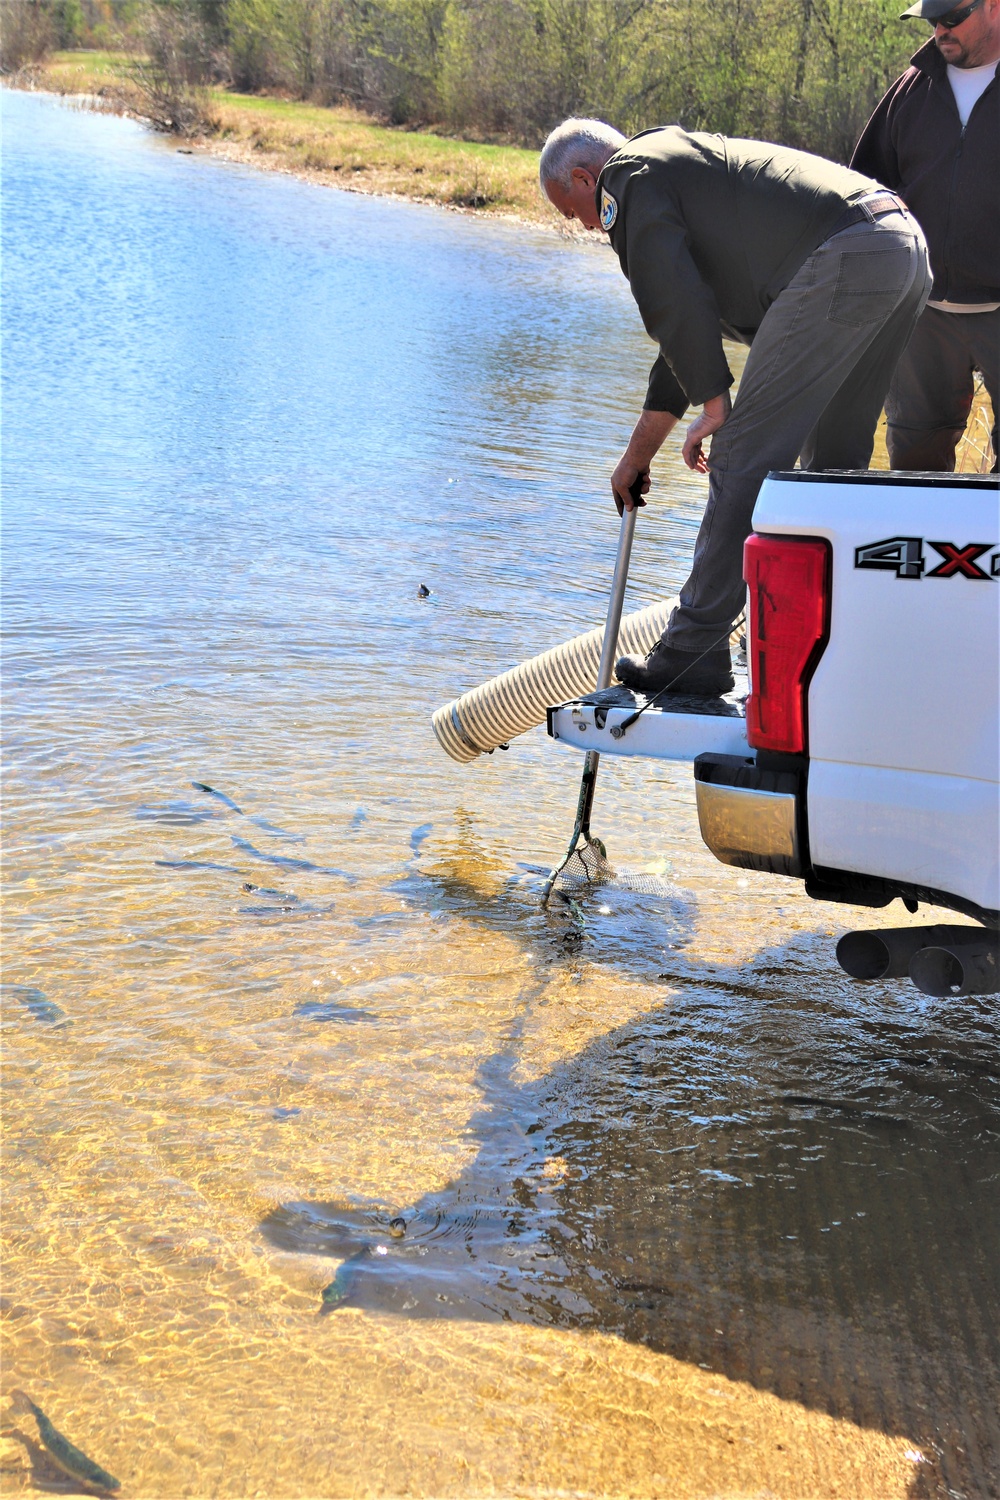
(516, 67)
(382, 55)
(804, 72)
(70, 22)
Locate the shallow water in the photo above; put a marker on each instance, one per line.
(686, 1211)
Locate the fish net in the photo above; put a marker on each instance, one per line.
(589, 865)
(586, 863)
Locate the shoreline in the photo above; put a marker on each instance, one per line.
(340, 148)
(336, 147)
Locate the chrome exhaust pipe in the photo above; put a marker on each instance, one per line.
(887, 954)
(966, 969)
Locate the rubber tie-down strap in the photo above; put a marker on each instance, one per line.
(618, 730)
(460, 731)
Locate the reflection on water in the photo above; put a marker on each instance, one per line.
(684, 1211)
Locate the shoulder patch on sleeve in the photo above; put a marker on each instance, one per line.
(609, 210)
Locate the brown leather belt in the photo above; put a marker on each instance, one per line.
(868, 209)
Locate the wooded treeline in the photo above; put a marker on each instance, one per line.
(804, 72)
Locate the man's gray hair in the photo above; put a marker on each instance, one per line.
(577, 143)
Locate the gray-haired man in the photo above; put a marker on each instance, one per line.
(820, 269)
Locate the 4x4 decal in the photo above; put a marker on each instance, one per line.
(959, 560)
(904, 556)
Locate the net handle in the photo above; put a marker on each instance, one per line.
(612, 625)
(609, 648)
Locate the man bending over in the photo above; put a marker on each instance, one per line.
(820, 270)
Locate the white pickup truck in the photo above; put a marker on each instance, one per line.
(865, 760)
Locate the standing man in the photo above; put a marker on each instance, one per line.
(821, 269)
(935, 139)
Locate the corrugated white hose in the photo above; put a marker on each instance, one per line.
(516, 701)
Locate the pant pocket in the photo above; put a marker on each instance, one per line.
(869, 285)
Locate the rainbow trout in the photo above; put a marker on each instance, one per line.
(342, 1284)
(63, 1453)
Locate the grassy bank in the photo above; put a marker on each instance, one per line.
(338, 146)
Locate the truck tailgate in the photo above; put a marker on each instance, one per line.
(904, 743)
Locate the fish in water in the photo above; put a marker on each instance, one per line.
(272, 828)
(64, 1454)
(210, 791)
(340, 1288)
(397, 1228)
(329, 1010)
(276, 832)
(177, 814)
(37, 1004)
(194, 864)
(868, 1116)
(286, 863)
(418, 836)
(576, 910)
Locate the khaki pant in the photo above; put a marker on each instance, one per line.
(931, 392)
(812, 389)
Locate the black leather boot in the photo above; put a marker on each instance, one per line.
(707, 676)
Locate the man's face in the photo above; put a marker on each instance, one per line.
(976, 41)
(577, 201)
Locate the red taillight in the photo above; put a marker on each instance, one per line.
(788, 588)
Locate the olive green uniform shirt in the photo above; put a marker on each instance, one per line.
(708, 231)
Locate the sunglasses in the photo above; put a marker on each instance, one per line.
(954, 17)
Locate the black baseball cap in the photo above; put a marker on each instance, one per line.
(932, 10)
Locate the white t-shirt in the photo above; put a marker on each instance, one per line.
(967, 84)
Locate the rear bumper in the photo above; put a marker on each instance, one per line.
(749, 817)
(756, 819)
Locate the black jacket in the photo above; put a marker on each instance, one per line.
(949, 177)
(709, 231)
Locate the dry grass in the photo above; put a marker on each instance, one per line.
(339, 146)
(98, 75)
(348, 150)
(975, 451)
